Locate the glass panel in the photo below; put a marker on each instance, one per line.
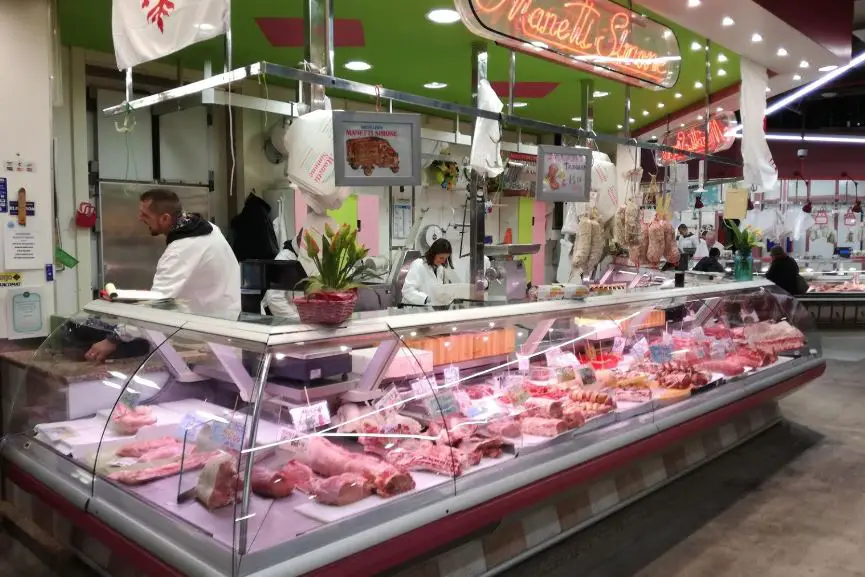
(64, 399)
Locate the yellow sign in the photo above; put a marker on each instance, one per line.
(10, 279)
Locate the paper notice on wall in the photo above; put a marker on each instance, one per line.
(736, 203)
(24, 317)
(23, 248)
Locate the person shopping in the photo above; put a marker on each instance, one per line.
(784, 272)
(428, 273)
(710, 263)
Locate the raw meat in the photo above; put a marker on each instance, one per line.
(127, 421)
(139, 448)
(671, 250)
(452, 434)
(597, 248)
(271, 484)
(501, 428)
(591, 410)
(436, 458)
(476, 392)
(545, 391)
(353, 416)
(166, 452)
(655, 249)
(218, 482)
(680, 375)
(580, 396)
(135, 477)
(342, 489)
(543, 427)
(573, 416)
(774, 338)
(729, 367)
(540, 407)
(633, 395)
(717, 331)
(490, 447)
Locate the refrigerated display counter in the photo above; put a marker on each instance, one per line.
(836, 300)
(212, 446)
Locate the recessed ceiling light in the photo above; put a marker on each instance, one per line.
(619, 126)
(719, 109)
(667, 34)
(756, 37)
(722, 72)
(829, 68)
(727, 21)
(722, 57)
(699, 117)
(539, 44)
(520, 104)
(577, 119)
(631, 120)
(645, 113)
(660, 105)
(443, 16)
(804, 64)
(435, 85)
(693, 3)
(600, 93)
(677, 95)
(358, 65)
(782, 52)
(682, 125)
(698, 84)
(696, 46)
(797, 77)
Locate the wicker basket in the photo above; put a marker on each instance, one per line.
(326, 308)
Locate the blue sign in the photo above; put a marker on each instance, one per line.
(49, 272)
(13, 208)
(4, 196)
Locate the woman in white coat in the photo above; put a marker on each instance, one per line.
(277, 301)
(427, 273)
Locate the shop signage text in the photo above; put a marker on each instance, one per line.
(692, 138)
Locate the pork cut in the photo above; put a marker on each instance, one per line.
(138, 476)
(338, 490)
(730, 366)
(439, 459)
(504, 427)
(128, 421)
(541, 427)
(573, 415)
(271, 484)
(139, 448)
(218, 482)
(166, 452)
(541, 407)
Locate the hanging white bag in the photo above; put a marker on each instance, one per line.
(486, 155)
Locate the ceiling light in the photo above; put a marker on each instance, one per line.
(358, 65)
(443, 16)
(804, 64)
(727, 21)
(699, 117)
(722, 72)
(693, 3)
(600, 93)
(619, 126)
(696, 46)
(435, 85)
(645, 113)
(677, 95)
(631, 120)
(755, 37)
(719, 109)
(698, 84)
(797, 77)
(722, 57)
(782, 52)
(682, 125)
(660, 105)
(829, 68)
(520, 104)
(577, 119)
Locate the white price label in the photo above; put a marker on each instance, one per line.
(640, 349)
(423, 386)
(618, 346)
(390, 402)
(523, 364)
(295, 444)
(698, 334)
(307, 418)
(452, 375)
(552, 356)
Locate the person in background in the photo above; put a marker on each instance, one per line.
(686, 241)
(702, 248)
(784, 272)
(427, 273)
(278, 302)
(710, 263)
(197, 266)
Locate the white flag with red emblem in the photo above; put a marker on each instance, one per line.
(146, 30)
(759, 168)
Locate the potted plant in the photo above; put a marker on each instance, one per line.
(743, 241)
(330, 295)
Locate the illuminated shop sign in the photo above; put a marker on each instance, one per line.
(598, 36)
(693, 138)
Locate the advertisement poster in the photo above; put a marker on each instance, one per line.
(376, 149)
(563, 174)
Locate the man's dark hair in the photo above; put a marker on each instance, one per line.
(683, 225)
(714, 252)
(777, 251)
(162, 201)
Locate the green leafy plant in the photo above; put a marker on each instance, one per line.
(339, 261)
(744, 239)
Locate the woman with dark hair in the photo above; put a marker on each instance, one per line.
(427, 273)
(784, 272)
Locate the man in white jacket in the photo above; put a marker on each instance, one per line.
(197, 268)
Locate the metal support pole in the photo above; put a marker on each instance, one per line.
(587, 106)
(229, 43)
(477, 211)
(128, 84)
(626, 123)
(708, 87)
(512, 80)
(318, 52)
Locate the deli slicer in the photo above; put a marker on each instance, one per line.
(507, 276)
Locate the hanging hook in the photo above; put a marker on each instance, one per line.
(378, 97)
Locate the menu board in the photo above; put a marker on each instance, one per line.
(376, 149)
(564, 174)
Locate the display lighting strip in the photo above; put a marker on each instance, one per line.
(808, 89)
(838, 138)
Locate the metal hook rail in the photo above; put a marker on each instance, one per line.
(370, 90)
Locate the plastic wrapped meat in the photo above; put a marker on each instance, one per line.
(583, 246)
(272, 484)
(218, 482)
(597, 249)
(127, 421)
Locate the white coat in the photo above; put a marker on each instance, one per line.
(280, 301)
(421, 282)
(203, 272)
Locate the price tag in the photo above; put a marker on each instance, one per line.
(452, 375)
(464, 402)
(228, 435)
(667, 339)
(189, 427)
(523, 364)
(514, 390)
(661, 353)
(717, 350)
(587, 375)
(640, 349)
(618, 346)
(390, 402)
(295, 445)
(130, 398)
(423, 386)
(552, 356)
(698, 334)
(306, 419)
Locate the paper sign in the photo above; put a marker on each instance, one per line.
(22, 248)
(465, 402)
(228, 435)
(523, 364)
(563, 174)
(307, 418)
(24, 314)
(123, 462)
(390, 402)
(618, 346)
(444, 402)
(295, 444)
(587, 375)
(423, 386)
(640, 349)
(484, 409)
(552, 356)
(376, 149)
(661, 353)
(514, 390)
(452, 375)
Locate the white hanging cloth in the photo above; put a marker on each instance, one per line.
(759, 169)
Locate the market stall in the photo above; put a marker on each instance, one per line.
(241, 448)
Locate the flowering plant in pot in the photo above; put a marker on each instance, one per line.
(331, 294)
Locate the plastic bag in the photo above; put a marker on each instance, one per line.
(604, 185)
(279, 224)
(572, 219)
(486, 156)
(563, 270)
(797, 223)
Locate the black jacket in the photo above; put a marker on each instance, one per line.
(784, 272)
(709, 264)
(252, 231)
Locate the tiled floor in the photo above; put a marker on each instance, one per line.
(788, 504)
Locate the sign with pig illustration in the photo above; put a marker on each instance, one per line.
(564, 174)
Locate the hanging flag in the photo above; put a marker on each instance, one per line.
(759, 169)
(146, 30)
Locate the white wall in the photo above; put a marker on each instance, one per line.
(25, 123)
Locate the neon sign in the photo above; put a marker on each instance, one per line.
(598, 36)
(692, 138)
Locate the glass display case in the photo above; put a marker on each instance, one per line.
(262, 447)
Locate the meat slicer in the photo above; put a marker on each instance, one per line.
(507, 276)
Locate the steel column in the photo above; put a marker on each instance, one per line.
(587, 107)
(318, 49)
(476, 196)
